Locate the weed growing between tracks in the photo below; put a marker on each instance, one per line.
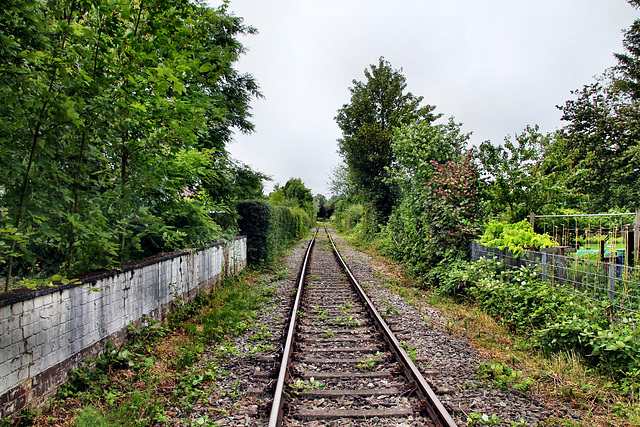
(142, 382)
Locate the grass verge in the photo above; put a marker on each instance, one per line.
(160, 371)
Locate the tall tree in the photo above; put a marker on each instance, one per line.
(377, 106)
(114, 116)
(531, 173)
(294, 194)
(440, 204)
(604, 127)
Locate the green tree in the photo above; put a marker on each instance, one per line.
(114, 117)
(628, 80)
(294, 194)
(603, 130)
(340, 182)
(377, 106)
(531, 174)
(440, 207)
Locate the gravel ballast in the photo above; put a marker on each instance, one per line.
(241, 393)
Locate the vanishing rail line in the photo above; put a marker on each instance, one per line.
(341, 361)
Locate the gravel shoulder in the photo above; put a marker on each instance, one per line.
(240, 396)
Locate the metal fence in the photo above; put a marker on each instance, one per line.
(617, 283)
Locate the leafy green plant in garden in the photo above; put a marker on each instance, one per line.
(514, 237)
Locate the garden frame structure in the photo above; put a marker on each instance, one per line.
(633, 235)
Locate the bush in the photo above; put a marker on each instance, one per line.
(455, 278)
(437, 219)
(558, 319)
(269, 229)
(256, 217)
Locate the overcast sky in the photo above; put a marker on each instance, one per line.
(495, 65)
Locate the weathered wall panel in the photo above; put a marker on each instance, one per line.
(45, 333)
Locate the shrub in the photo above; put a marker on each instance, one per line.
(269, 229)
(558, 319)
(255, 221)
(454, 278)
(437, 219)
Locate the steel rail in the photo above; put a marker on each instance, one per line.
(434, 407)
(275, 416)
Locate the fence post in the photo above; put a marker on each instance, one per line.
(560, 259)
(636, 237)
(532, 220)
(544, 266)
(612, 281)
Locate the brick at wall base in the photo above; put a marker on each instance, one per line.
(35, 390)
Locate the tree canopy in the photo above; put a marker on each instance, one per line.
(114, 119)
(377, 106)
(294, 194)
(603, 131)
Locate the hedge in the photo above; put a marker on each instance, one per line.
(269, 229)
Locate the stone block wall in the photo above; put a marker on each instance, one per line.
(46, 333)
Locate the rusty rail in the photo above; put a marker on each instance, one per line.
(275, 416)
(433, 406)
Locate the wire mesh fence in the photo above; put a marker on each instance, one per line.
(613, 281)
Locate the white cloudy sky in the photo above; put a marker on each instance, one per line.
(496, 65)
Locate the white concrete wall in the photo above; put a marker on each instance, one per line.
(46, 333)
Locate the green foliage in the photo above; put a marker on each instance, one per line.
(140, 408)
(114, 118)
(440, 209)
(530, 174)
(603, 131)
(269, 229)
(299, 199)
(502, 376)
(256, 217)
(367, 364)
(92, 377)
(8, 235)
(558, 319)
(514, 237)
(477, 419)
(594, 224)
(347, 214)
(376, 107)
(454, 277)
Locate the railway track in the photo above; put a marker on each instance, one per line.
(341, 363)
